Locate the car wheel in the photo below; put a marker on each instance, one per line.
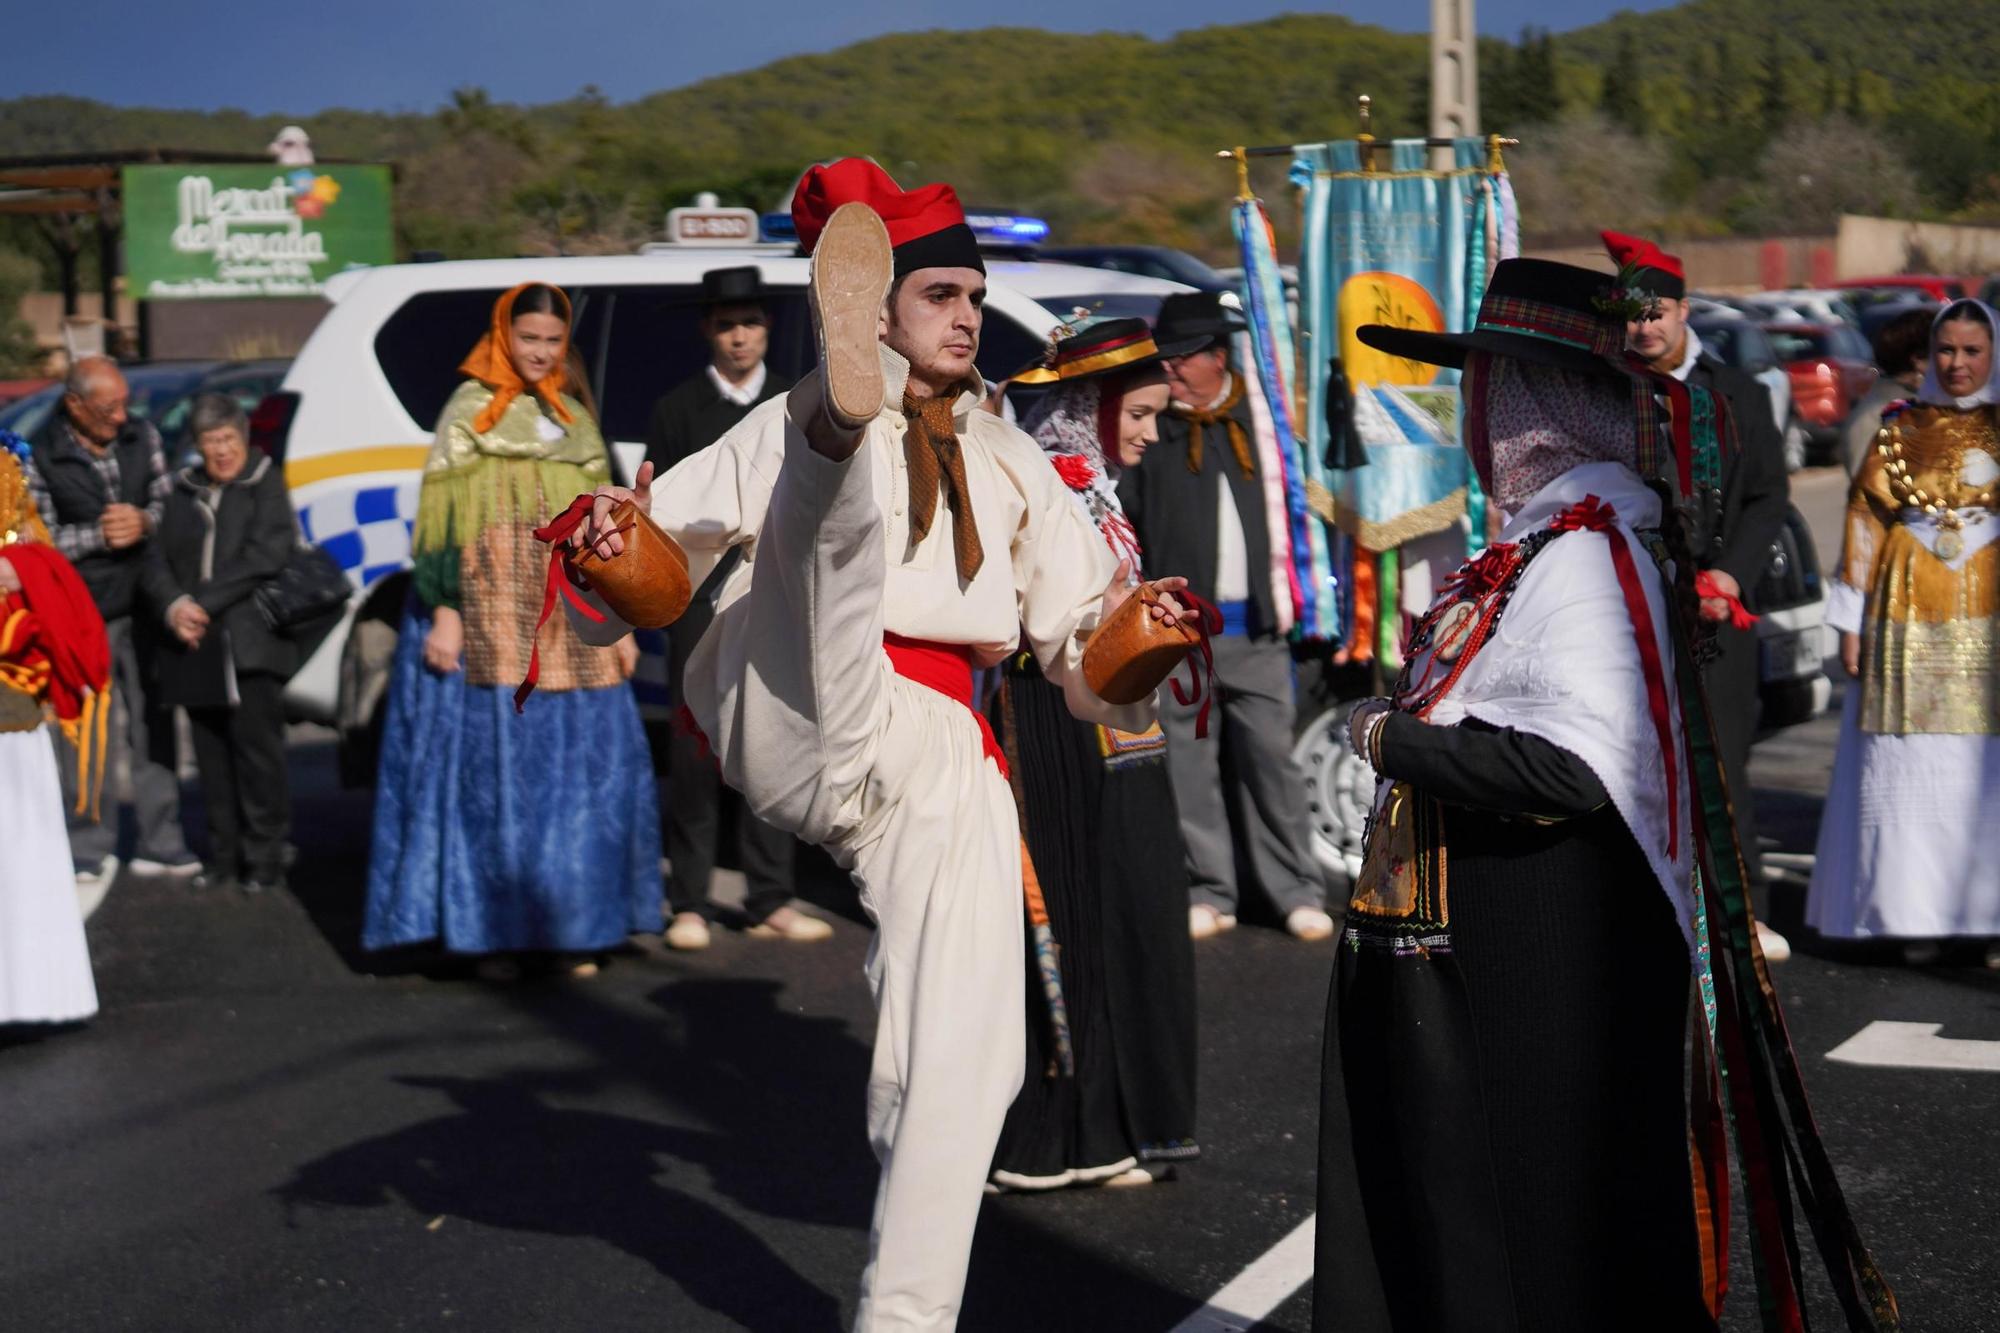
(1796, 443)
(1340, 789)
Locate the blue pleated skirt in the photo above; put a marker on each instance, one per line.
(498, 832)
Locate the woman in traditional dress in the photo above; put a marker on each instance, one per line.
(53, 658)
(1906, 843)
(1504, 1116)
(484, 840)
(1109, 1095)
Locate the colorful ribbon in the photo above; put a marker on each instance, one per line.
(562, 577)
(1593, 515)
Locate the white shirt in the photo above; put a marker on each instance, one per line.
(744, 394)
(1688, 356)
(1046, 564)
(1232, 551)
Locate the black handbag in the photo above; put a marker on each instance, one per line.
(311, 585)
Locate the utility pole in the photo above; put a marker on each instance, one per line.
(1454, 75)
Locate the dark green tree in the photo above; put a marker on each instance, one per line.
(1620, 100)
(1774, 103)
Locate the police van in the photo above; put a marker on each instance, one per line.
(353, 420)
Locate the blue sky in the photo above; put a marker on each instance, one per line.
(409, 54)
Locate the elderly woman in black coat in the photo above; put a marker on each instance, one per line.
(227, 530)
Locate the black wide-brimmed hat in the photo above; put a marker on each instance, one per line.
(1100, 347)
(733, 286)
(1196, 318)
(1534, 310)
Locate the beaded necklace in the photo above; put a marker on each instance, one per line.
(1942, 507)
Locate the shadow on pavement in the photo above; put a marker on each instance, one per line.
(505, 1158)
(510, 1154)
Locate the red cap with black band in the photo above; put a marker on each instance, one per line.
(927, 226)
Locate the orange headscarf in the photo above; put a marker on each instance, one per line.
(492, 362)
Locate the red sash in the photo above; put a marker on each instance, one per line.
(946, 668)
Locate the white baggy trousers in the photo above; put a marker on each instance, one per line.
(825, 740)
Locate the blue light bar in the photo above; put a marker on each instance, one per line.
(1007, 228)
(778, 227)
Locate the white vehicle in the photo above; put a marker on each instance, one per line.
(1805, 306)
(353, 421)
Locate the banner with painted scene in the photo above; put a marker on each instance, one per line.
(1389, 240)
(199, 232)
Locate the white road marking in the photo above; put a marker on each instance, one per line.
(1258, 1289)
(1915, 1046)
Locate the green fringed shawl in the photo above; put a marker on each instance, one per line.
(507, 475)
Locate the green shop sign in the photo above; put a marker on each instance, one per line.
(204, 232)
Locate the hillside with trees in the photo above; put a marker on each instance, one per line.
(1717, 117)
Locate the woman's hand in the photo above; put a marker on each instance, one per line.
(1850, 655)
(445, 643)
(599, 533)
(1167, 609)
(628, 656)
(1361, 724)
(10, 581)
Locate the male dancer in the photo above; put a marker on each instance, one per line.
(1732, 536)
(899, 537)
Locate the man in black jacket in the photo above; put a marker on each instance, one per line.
(1734, 533)
(100, 479)
(694, 415)
(1198, 506)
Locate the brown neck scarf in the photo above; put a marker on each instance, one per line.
(932, 452)
(1224, 412)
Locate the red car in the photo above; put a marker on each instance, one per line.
(1830, 366)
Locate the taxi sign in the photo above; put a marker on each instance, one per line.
(711, 226)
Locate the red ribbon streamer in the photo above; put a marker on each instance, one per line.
(1207, 620)
(556, 532)
(1706, 587)
(1593, 515)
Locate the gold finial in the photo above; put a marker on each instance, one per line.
(1495, 160)
(1242, 174)
(1366, 138)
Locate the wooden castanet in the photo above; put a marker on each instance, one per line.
(1130, 653)
(646, 584)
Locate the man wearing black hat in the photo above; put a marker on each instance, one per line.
(1736, 520)
(687, 420)
(1198, 505)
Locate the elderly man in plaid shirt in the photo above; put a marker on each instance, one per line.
(99, 479)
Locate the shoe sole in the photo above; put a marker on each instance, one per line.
(851, 272)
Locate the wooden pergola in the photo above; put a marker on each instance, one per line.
(76, 198)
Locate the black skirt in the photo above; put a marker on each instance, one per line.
(1504, 1133)
(1105, 841)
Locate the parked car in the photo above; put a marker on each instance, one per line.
(1741, 343)
(1875, 315)
(1794, 644)
(248, 382)
(1148, 261)
(1831, 367)
(353, 419)
(1936, 286)
(155, 386)
(1802, 306)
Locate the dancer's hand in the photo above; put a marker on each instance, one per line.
(628, 656)
(1850, 655)
(445, 643)
(1168, 610)
(10, 580)
(600, 534)
(187, 620)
